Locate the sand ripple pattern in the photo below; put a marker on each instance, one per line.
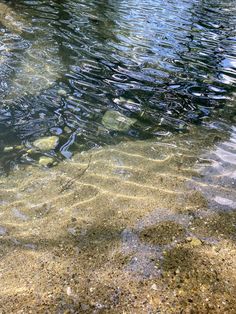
(124, 212)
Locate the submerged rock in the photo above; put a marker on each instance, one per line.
(46, 161)
(8, 149)
(46, 143)
(116, 121)
(61, 92)
(19, 147)
(154, 287)
(194, 241)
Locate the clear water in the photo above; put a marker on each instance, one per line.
(146, 224)
(168, 64)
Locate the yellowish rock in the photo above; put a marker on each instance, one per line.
(194, 241)
(45, 161)
(30, 151)
(46, 143)
(19, 147)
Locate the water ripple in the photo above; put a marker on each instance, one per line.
(167, 64)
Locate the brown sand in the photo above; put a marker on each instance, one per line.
(123, 229)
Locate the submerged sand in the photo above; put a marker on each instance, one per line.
(141, 227)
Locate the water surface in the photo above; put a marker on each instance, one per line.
(166, 64)
(140, 220)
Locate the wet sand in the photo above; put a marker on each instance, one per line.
(132, 228)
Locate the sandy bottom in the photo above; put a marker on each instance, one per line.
(143, 227)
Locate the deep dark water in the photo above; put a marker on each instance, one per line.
(168, 64)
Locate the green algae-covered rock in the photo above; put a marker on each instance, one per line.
(46, 143)
(116, 121)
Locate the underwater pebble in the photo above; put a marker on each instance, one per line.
(68, 291)
(61, 92)
(46, 143)
(19, 147)
(194, 241)
(45, 161)
(8, 149)
(30, 151)
(154, 287)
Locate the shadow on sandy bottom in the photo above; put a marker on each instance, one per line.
(124, 229)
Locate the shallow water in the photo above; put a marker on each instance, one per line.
(138, 226)
(166, 64)
(140, 220)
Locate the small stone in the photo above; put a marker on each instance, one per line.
(46, 143)
(45, 161)
(68, 291)
(61, 92)
(180, 292)
(30, 151)
(8, 149)
(154, 287)
(194, 241)
(19, 147)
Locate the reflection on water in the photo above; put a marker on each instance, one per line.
(218, 167)
(166, 64)
(11, 20)
(36, 64)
